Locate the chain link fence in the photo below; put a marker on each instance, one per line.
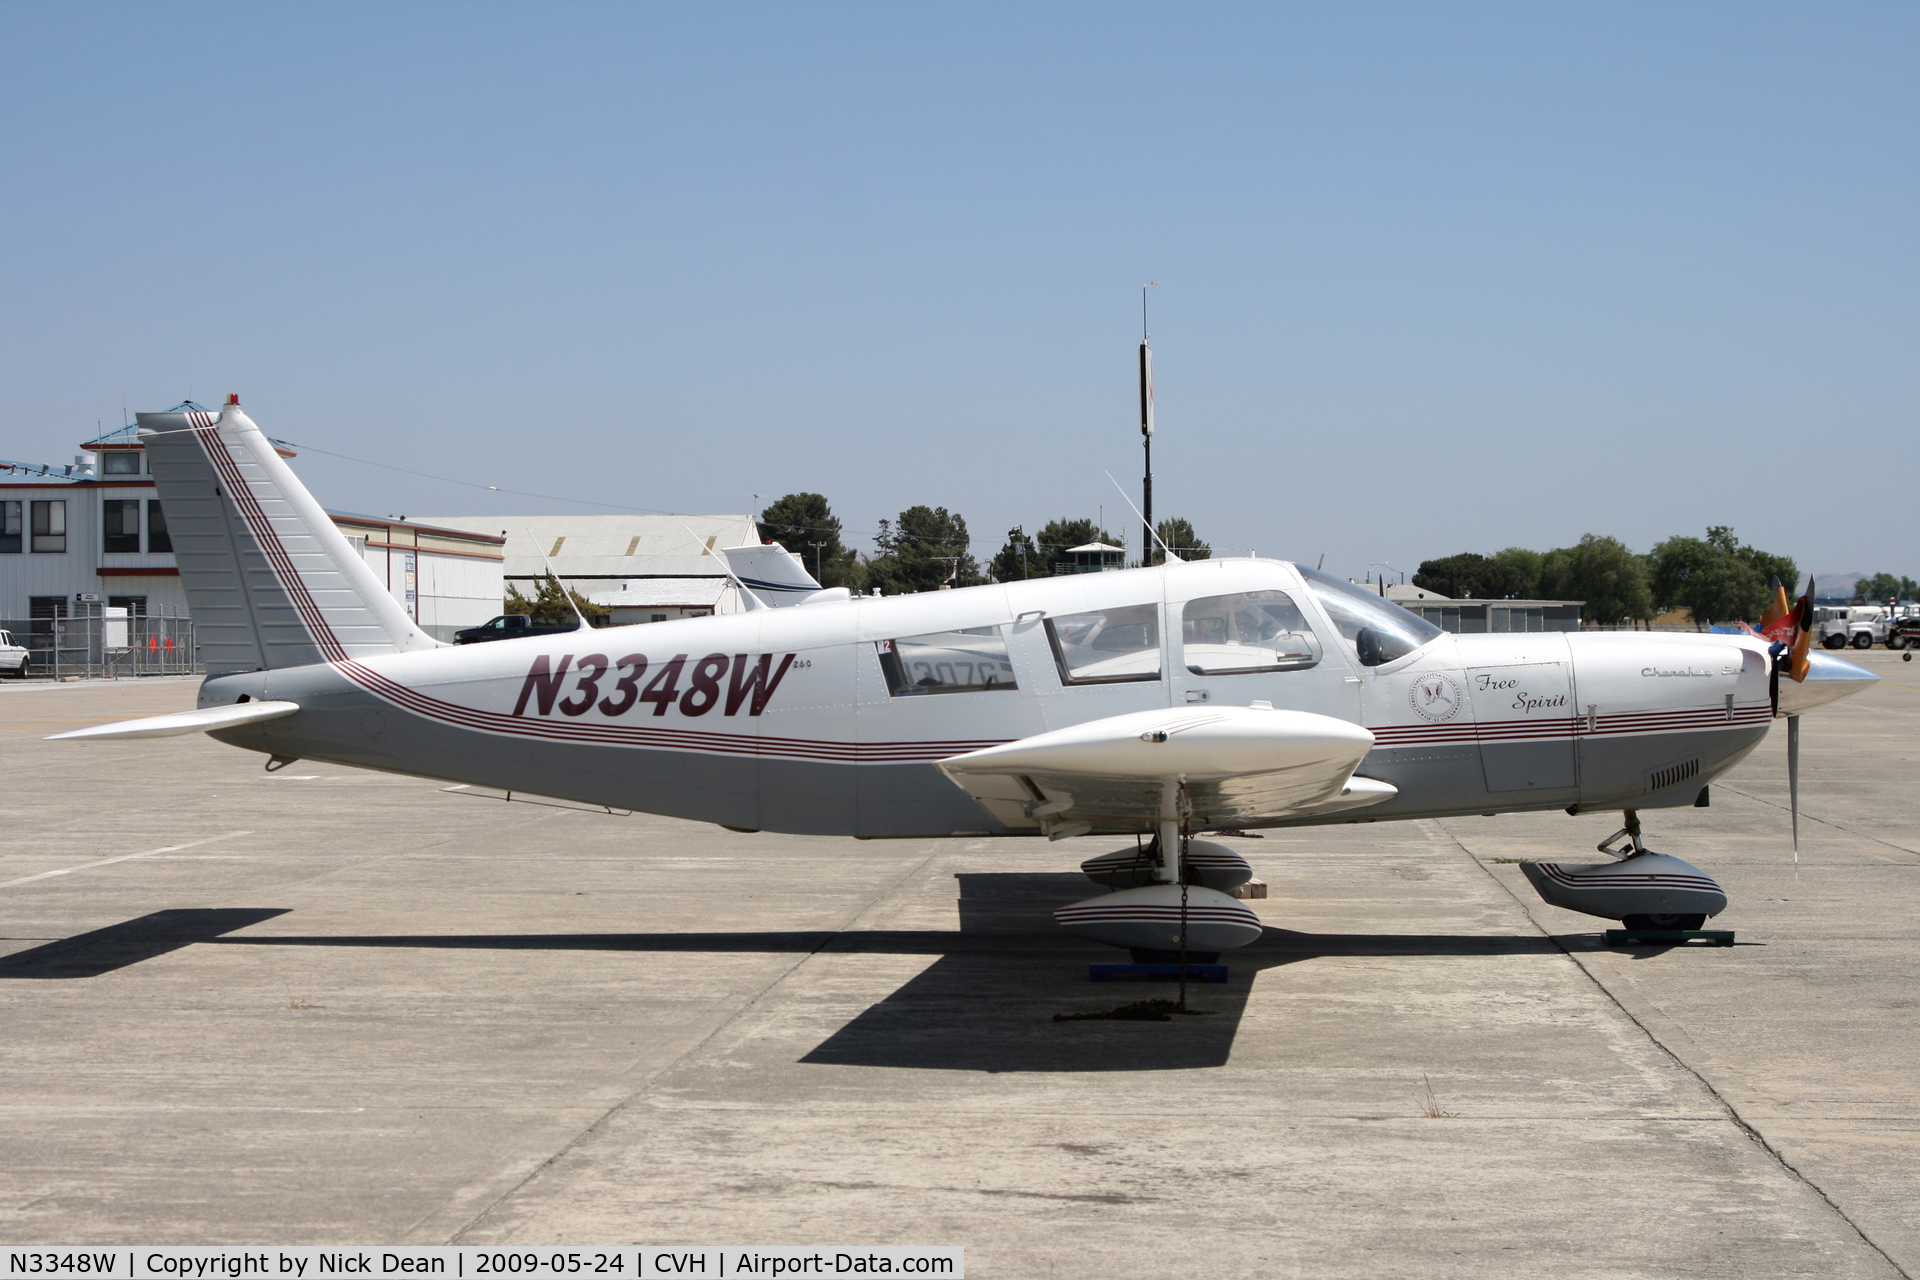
(106, 643)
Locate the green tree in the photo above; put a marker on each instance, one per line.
(804, 524)
(1179, 535)
(927, 547)
(1057, 536)
(1512, 574)
(1704, 578)
(1878, 588)
(550, 607)
(1019, 559)
(1718, 577)
(1767, 568)
(1458, 577)
(1602, 572)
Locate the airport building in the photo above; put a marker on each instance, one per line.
(83, 539)
(1474, 617)
(646, 568)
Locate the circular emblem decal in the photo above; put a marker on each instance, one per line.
(1435, 697)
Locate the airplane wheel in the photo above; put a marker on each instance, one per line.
(1687, 921)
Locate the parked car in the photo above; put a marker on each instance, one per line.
(14, 660)
(508, 626)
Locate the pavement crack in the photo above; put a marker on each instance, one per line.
(1731, 1112)
(1076, 1197)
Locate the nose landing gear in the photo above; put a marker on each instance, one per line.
(1643, 890)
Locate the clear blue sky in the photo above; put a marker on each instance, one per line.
(1435, 277)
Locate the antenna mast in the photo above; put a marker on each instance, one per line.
(1146, 429)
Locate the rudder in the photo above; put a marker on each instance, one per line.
(270, 581)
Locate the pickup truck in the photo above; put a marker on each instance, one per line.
(13, 658)
(1860, 625)
(508, 626)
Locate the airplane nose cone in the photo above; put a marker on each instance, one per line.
(1828, 680)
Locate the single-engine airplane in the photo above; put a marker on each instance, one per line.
(1153, 703)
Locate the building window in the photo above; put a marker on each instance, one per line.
(49, 526)
(136, 606)
(659, 617)
(121, 527)
(967, 661)
(9, 526)
(158, 539)
(120, 462)
(1109, 646)
(43, 610)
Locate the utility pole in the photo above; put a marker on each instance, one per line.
(1146, 429)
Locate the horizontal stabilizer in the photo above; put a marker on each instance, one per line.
(186, 721)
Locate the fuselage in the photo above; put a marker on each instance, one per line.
(828, 718)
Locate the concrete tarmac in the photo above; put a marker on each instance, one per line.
(331, 1006)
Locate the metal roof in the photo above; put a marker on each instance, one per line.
(615, 548)
(684, 593)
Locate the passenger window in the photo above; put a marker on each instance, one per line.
(970, 660)
(1250, 631)
(1109, 646)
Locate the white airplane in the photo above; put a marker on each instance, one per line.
(1151, 703)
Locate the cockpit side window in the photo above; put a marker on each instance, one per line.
(972, 660)
(1246, 632)
(1108, 646)
(1379, 630)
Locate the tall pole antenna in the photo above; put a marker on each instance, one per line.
(1146, 429)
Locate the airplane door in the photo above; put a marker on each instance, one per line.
(1525, 716)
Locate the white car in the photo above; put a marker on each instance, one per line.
(14, 660)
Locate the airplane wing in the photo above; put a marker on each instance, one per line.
(186, 721)
(1234, 763)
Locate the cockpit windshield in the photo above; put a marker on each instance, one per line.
(1379, 630)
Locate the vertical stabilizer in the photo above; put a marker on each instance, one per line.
(270, 581)
(776, 576)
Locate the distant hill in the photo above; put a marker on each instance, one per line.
(1835, 586)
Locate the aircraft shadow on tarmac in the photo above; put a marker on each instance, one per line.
(88, 955)
(985, 1004)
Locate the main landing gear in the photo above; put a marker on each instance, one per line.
(1170, 898)
(1643, 890)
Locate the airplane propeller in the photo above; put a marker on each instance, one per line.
(1791, 629)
